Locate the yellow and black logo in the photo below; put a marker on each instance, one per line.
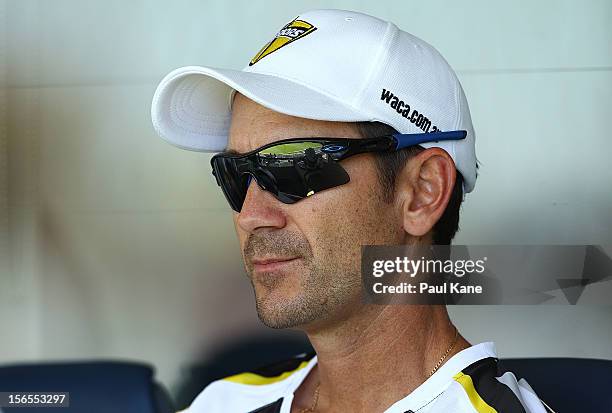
(295, 29)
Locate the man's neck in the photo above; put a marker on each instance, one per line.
(369, 361)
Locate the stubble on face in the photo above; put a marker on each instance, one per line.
(311, 291)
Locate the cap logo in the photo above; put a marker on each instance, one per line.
(295, 29)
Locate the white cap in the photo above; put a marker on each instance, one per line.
(333, 65)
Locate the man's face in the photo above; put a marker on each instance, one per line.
(304, 259)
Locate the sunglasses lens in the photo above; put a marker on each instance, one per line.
(300, 169)
(289, 171)
(233, 184)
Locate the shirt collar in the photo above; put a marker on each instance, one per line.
(431, 387)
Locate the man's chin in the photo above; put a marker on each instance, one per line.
(278, 321)
(284, 312)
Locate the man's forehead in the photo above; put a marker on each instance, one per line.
(253, 125)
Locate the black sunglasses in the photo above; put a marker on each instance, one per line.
(296, 168)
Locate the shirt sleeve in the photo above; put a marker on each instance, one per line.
(524, 393)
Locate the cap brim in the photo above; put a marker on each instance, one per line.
(192, 109)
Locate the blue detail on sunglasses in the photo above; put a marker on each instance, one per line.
(406, 140)
(333, 148)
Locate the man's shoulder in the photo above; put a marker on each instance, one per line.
(252, 390)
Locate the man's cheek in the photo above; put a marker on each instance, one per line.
(339, 235)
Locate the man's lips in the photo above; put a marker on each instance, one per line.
(272, 263)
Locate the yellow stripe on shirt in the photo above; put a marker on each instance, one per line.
(257, 380)
(479, 404)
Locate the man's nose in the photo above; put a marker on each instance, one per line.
(260, 210)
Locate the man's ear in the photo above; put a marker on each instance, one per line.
(424, 187)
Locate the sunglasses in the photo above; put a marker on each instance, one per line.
(296, 168)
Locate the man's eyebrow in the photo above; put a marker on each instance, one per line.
(230, 152)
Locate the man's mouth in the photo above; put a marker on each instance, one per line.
(270, 264)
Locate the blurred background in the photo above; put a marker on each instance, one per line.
(114, 244)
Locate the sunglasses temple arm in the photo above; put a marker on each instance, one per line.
(406, 140)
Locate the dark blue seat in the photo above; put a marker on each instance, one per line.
(94, 387)
(567, 385)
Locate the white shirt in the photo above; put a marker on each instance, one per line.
(467, 383)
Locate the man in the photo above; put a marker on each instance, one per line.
(342, 131)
